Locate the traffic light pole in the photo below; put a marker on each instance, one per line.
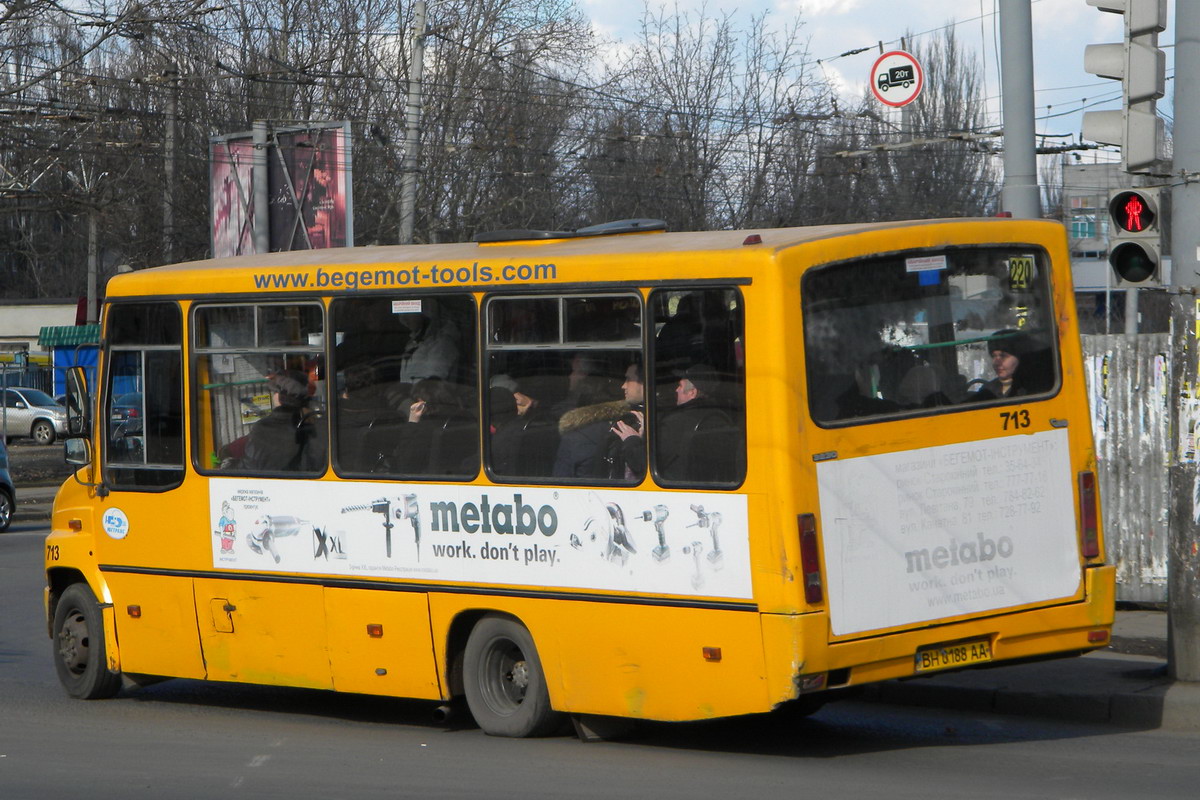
(1183, 552)
(1020, 194)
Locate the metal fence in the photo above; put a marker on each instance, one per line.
(35, 376)
(1128, 389)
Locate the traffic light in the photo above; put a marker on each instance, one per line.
(1141, 67)
(1135, 237)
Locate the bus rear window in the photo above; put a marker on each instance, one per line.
(921, 332)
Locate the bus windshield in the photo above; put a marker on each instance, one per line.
(918, 332)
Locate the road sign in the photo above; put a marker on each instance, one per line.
(896, 78)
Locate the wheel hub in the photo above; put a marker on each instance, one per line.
(73, 644)
(519, 676)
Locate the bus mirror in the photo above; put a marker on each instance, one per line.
(78, 451)
(79, 423)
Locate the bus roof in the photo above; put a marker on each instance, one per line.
(209, 276)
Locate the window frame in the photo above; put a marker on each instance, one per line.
(196, 352)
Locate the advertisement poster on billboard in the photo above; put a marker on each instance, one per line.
(309, 176)
(231, 194)
(306, 189)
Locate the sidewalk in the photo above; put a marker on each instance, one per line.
(1125, 684)
(1106, 686)
(34, 503)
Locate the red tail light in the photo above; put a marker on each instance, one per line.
(1089, 513)
(810, 559)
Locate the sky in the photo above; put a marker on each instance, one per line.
(1061, 30)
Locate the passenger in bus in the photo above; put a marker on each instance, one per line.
(524, 438)
(685, 430)
(587, 431)
(432, 349)
(1007, 348)
(627, 453)
(289, 438)
(440, 435)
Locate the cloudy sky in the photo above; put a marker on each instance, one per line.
(1061, 29)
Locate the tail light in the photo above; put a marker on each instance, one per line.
(1089, 514)
(810, 560)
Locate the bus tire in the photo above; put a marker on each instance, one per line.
(79, 652)
(504, 681)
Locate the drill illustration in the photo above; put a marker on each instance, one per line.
(269, 527)
(712, 521)
(697, 575)
(658, 515)
(400, 508)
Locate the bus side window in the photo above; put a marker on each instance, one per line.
(259, 388)
(699, 433)
(143, 417)
(405, 395)
(558, 370)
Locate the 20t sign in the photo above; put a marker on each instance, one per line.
(896, 78)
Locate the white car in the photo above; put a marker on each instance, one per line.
(33, 413)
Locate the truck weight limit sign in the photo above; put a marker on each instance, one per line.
(896, 78)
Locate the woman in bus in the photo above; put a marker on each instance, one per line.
(1007, 348)
(287, 439)
(440, 436)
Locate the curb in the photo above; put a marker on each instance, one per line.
(1135, 693)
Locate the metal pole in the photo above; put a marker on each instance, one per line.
(261, 199)
(93, 265)
(168, 219)
(1020, 193)
(412, 127)
(1131, 311)
(1183, 558)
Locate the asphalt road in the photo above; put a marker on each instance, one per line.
(189, 739)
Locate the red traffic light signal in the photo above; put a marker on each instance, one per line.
(1135, 237)
(1132, 211)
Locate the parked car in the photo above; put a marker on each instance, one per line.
(8, 494)
(33, 413)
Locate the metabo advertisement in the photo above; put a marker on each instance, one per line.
(942, 531)
(596, 539)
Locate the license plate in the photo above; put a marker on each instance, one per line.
(949, 656)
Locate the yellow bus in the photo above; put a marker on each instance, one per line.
(613, 472)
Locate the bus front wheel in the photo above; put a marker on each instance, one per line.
(79, 653)
(504, 682)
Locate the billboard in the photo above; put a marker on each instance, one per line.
(231, 191)
(306, 191)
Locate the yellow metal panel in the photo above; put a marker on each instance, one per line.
(633, 660)
(399, 662)
(163, 640)
(278, 633)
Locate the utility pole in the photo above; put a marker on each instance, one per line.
(261, 200)
(93, 261)
(1020, 194)
(412, 127)
(168, 218)
(1183, 558)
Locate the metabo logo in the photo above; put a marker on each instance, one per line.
(486, 517)
(972, 551)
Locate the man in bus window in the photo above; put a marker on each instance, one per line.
(286, 440)
(627, 453)
(432, 349)
(696, 410)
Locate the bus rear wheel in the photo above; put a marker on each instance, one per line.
(79, 652)
(504, 682)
